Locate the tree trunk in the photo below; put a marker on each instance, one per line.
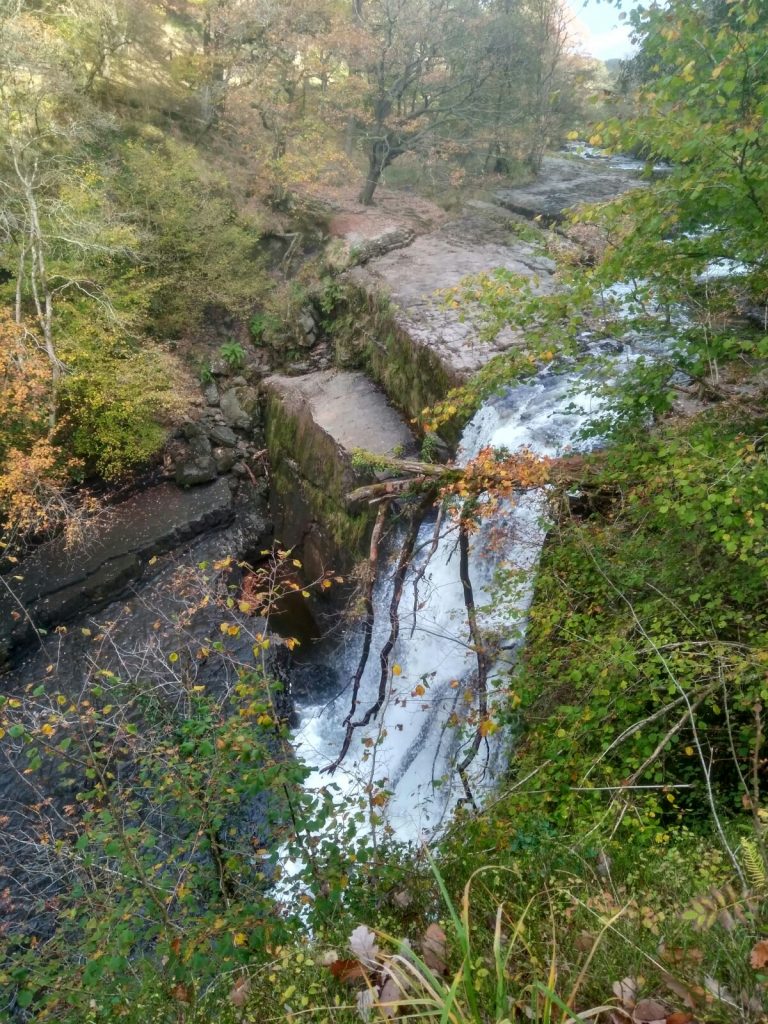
(376, 164)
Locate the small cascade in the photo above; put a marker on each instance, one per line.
(409, 752)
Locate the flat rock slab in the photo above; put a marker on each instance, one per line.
(348, 407)
(58, 583)
(416, 277)
(486, 236)
(566, 182)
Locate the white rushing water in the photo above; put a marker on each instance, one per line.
(409, 750)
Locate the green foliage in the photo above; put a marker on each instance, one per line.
(699, 109)
(641, 614)
(117, 402)
(430, 447)
(160, 861)
(201, 253)
(233, 354)
(269, 328)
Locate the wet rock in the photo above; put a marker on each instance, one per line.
(222, 436)
(565, 182)
(59, 584)
(194, 463)
(224, 459)
(233, 412)
(195, 471)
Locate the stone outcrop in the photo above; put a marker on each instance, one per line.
(416, 278)
(412, 341)
(314, 424)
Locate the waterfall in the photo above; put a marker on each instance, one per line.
(410, 751)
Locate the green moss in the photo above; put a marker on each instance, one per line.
(366, 336)
(311, 478)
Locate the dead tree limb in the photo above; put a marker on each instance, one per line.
(384, 489)
(370, 580)
(483, 662)
(403, 564)
(571, 469)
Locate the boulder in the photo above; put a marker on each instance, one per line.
(222, 436)
(307, 329)
(224, 458)
(194, 463)
(233, 412)
(196, 470)
(250, 401)
(314, 425)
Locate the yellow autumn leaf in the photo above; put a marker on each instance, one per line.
(240, 938)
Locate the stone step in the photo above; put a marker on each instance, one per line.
(314, 424)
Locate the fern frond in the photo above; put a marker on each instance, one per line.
(754, 865)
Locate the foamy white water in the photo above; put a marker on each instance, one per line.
(410, 751)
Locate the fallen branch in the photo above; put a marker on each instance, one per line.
(385, 489)
(572, 469)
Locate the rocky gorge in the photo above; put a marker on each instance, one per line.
(270, 456)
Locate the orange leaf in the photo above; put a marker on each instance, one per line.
(758, 958)
(347, 971)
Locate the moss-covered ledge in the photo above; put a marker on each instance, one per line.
(366, 335)
(314, 423)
